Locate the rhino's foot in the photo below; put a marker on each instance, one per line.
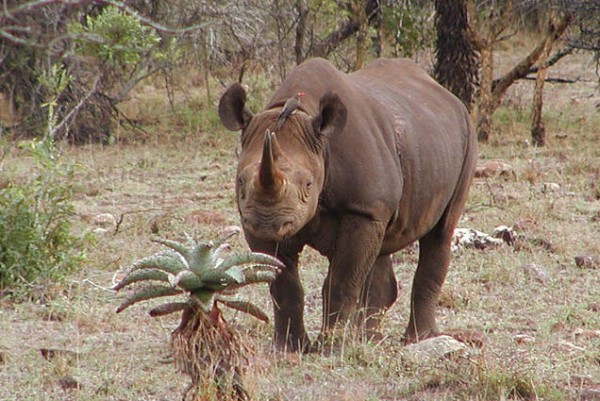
(335, 340)
(411, 337)
(300, 344)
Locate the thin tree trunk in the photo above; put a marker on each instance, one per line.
(358, 10)
(538, 131)
(491, 91)
(484, 112)
(302, 10)
(376, 18)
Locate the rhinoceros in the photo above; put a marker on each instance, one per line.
(369, 163)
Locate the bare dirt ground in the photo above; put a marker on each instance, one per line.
(536, 313)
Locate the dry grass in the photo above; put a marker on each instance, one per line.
(541, 337)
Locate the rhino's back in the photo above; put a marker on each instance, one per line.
(404, 140)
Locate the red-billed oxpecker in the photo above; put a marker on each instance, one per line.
(288, 109)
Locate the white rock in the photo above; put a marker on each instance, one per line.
(435, 348)
(106, 220)
(548, 187)
(470, 238)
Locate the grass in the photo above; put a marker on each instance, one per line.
(179, 177)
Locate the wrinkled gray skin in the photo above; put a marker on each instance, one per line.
(371, 162)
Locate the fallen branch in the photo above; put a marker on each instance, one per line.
(554, 80)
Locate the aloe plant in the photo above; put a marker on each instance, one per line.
(200, 276)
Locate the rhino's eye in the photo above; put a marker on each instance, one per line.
(308, 184)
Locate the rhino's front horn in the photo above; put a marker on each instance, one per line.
(270, 176)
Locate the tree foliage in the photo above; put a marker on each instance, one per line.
(109, 46)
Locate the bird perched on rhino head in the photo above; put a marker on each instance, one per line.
(288, 109)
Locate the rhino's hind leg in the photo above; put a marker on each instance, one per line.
(434, 258)
(379, 292)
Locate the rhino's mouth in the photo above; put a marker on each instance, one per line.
(270, 228)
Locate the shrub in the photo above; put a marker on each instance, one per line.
(37, 247)
(36, 244)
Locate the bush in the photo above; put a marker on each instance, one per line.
(36, 244)
(115, 38)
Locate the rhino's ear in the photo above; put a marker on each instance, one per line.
(332, 115)
(232, 108)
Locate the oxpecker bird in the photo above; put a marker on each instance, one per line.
(288, 109)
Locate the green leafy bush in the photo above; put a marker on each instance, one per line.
(115, 38)
(37, 247)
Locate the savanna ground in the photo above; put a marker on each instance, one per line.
(541, 333)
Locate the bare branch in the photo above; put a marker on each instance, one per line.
(522, 69)
(75, 109)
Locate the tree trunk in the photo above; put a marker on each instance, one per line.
(485, 110)
(538, 131)
(302, 10)
(375, 17)
(358, 10)
(457, 63)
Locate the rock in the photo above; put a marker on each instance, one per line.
(474, 338)
(594, 307)
(536, 272)
(550, 187)
(584, 334)
(435, 348)
(590, 394)
(105, 220)
(494, 169)
(505, 233)
(68, 382)
(51, 353)
(469, 238)
(587, 261)
(202, 217)
(581, 380)
(523, 339)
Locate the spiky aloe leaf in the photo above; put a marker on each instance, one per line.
(201, 257)
(222, 241)
(187, 280)
(259, 276)
(246, 307)
(168, 261)
(184, 249)
(206, 255)
(148, 292)
(168, 308)
(233, 275)
(141, 275)
(249, 258)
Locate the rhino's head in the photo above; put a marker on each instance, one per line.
(280, 174)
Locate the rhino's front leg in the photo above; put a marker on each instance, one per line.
(357, 246)
(288, 300)
(287, 294)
